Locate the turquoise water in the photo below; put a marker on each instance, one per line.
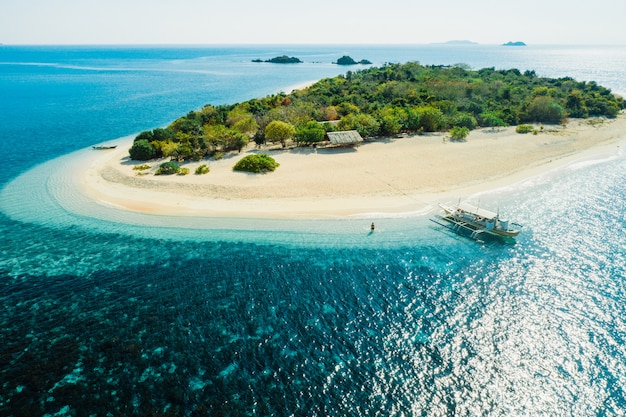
(106, 312)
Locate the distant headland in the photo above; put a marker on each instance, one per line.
(283, 59)
(346, 60)
(460, 42)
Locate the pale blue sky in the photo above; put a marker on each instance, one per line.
(312, 22)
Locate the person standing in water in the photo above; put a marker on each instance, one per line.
(372, 227)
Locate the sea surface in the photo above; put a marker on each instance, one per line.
(107, 313)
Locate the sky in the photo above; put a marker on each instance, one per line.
(49, 22)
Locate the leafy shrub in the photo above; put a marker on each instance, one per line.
(141, 167)
(183, 171)
(141, 150)
(464, 120)
(430, 118)
(312, 132)
(218, 155)
(545, 109)
(202, 169)
(365, 124)
(256, 163)
(168, 168)
(524, 129)
(459, 133)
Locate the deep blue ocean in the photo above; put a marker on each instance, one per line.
(109, 313)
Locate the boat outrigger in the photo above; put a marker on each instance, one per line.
(102, 147)
(465, 217)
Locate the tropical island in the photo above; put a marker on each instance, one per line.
(431, 133)
(347, 60)
(379, 102)
(516, 43)
(283, 59)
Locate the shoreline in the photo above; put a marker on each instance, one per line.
(381, 178)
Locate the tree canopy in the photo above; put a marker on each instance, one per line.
(381, 101)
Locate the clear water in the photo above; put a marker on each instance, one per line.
(111, 313)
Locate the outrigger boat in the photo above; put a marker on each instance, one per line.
(465, 217)
(102, 147)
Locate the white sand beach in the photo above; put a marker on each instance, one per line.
(381, 177)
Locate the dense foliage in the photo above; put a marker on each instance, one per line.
(256, 163)
(168, 168)
(380, 102)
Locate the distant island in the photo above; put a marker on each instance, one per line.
(346, 60)
(460, 42)
(516, 43)
(283, 59)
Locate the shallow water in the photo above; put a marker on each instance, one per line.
(112, 313)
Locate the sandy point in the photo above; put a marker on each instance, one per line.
(384, 176)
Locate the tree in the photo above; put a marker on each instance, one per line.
(366, 125)
(145, 135)
(465, 120)
(392, 119)
(277, 131)
(491, 119)
(544, 109)
(237, 141)
(249, 126)
(431, 119)
(141, 150)
(312, 132)
(575, 104)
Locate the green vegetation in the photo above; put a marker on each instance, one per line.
(459, 133)
(141, 167)
(524, 129)
(183, 171)
(311, 132)
(202, 169)
(277, 131)
(256, 163)
(283, 59)
(346, 60)
(381, 101)
(168, 168)
(142, 150)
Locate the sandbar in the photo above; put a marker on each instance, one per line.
(381, 177)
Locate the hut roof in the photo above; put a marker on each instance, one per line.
(344, 137)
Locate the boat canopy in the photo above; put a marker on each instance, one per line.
(487, 214)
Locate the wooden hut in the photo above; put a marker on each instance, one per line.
(344, 138)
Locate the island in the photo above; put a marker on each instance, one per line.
(283, 59)
(460, 42)
(516, 43)
(347, 60)
(406, 114)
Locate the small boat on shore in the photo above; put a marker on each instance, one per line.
(102, 147)
(465, 217)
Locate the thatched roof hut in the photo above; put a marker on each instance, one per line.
(344, 138)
